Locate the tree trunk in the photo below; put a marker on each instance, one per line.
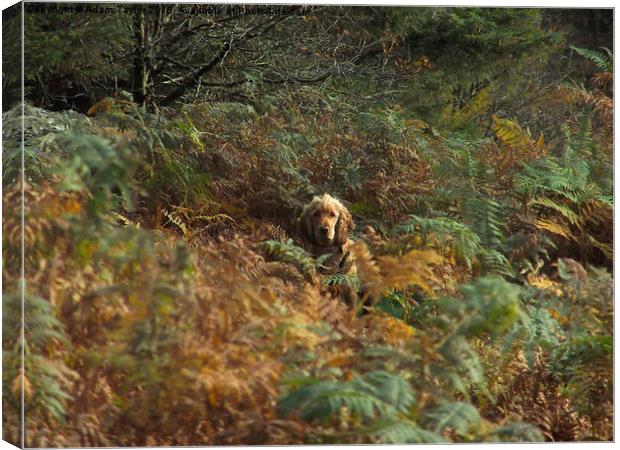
(140, 71)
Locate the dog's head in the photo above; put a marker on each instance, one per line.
(325, 222)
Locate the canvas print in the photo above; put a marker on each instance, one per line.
(306, 224)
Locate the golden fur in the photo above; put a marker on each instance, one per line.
(325, 222)
(325, 225)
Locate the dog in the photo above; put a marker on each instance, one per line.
(324, 226)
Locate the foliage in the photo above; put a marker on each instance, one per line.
(170, 301)
(289, 252)
(46, 380)
(574, 188)
(67, 54)
(374, 393)
(603, 61)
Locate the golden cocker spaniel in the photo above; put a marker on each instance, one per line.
(325, 225)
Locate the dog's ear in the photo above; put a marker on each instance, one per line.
(304, 226)
(344, 225)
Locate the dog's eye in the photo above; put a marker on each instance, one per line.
(332, 214)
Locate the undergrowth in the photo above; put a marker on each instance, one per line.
(169, 302)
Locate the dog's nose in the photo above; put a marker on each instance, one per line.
(324, 230)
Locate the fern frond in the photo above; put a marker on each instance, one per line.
(537, 329)
(179, 222)
(386, 273)
(603, 61)
(565, 211)
(554, 228)
(460, 416)
(518, 140)
(490, 305)
(289, 252)
(403, 431)
(189, 129)
(485, 215)
(396, 305)
(466, 242)
(606, 249)
(415, 268)
(495, 262)
(463, 368)
(365, 396)
(348, 279)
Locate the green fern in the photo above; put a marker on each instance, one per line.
(462, 171)
(97, 167)
(188, 128)
(49, 380)
(603, 61)
(461, 367)
(348, 279)
(42, 130)
(375, 393)
(584, 349)
(403, 431)
(467, 243)
(571, 175)
(485, 215)
(397, 305)
(347, 171)
(459, 416)
(566, 212)
(289, 252)
(535, 331)
(493, 262)
(569, 185)
(481, 240)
